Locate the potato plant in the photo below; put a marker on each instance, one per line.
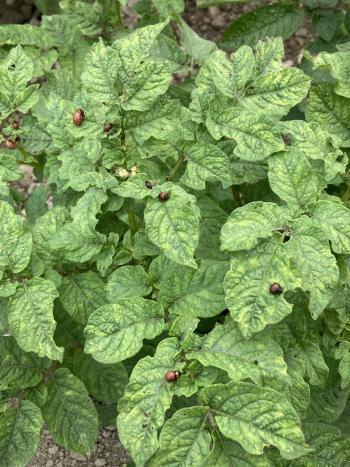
(181, 269)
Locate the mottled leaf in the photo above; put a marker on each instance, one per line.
(30, 316)
(19, 369)
(15, 241)
(131, 49)
(115, 332)
(69, 413)
(256, 134)
(184, 439)
(247, 286)
(227, 453)
(81, 294)
(240, 410)
(150, 81)
(310, 250)
(100, 73)
(291, 177)
(251, 223)
(266, 21)
(128, 281)
(190, 292)
(173, 225)
(331, 449)
(104, 382)
(334, 219)
(20, 429)
(257, 358)
(146, 399)
(330, 111)
(277, 92)
(206, 162)
(230, 77)
(196, 47)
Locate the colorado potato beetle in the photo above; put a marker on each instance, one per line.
(107, 128)
(78, 117)
(276, 289)
(171, 376)
(163, 196)
(10, 144)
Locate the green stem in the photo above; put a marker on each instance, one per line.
(133, 224)
(106, 10)
(26, 157)
(112, 14)
(112, 17)
(175, 168)
(346, 195)
(237, 195)
(118, 16)
(23, 152)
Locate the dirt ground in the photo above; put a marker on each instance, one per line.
(209, 23)
(108, 453)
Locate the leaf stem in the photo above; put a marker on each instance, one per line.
(346, 195)
(237, 195)
(133, 224)
(112, 14)
(175, 168)
(23, 152)
(118, 15)
(26, 157)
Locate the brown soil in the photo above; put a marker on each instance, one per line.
(108, 453)
(211, 22)
(17, 11)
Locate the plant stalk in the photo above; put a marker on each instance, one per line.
(346, 195)
(133, 224)
(237, 195)
(175, 168)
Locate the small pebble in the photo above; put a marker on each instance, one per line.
(77, 457)
(53, 449)
(49, 463)
(214, 11)
(100, 462)
(109, 428)
(219, 22)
